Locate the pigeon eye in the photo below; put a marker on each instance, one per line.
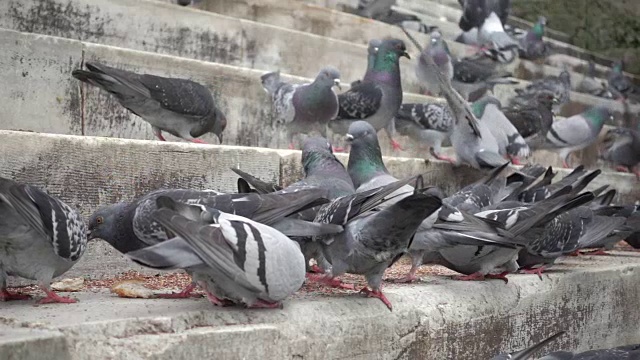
(99, 220)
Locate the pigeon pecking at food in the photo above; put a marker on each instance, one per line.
(534, 118)
(180, 107)
(621, 147)
(427, 123)
(41, 238)
(307, 107)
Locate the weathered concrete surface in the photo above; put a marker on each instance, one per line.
(18, 341)
(439, 319)
(89, 172)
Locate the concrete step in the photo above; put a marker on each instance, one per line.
(19, 341)
(88, 172)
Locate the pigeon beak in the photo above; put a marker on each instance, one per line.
(405, 54)
(348, 137)
(90, 235)
(336, 82)
(220, 137)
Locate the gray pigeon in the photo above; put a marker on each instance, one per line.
(374, 8)
(575, 132)
(528, 352)
(589, 84)
(492, 34)
(235, 259)
(379, 96)
(304, 108)
(621, 147)
(510, 142)
(372, 240)
(620, 85)
(627, 352)
(559, 86)
(534, 118)
(438, 51)
(473, 76)
(532, 47)
(180, 107)
(130, 226)
(427, 123)
(40, 238)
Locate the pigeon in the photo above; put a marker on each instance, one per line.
(304, 108)
(575, 181)
(235, 259)
(589, 84)
(559, 86)
(372, 240)
(180, 107)
(41, 237)
(374, 8)
(475, 75)
(492, 33)
(534, 118)
(575, 132)
(437, 50)
(510, 142)
(474, 12)
(620, 85)
(372, 50)
(129, 226)
(621, 147)
(528, 352)
(532, 47)
(427, 123)
(626, 217)
(627, 352)
(379, 96)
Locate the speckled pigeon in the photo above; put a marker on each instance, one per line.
(379, 96)
(438, 51)
(534, 118)
(180, 107)
(532, 47)
(528, 352)
(621, 147)
(620, 85)
(129, 226)
(307, 107)
(427, 123)
(559, 86)
(235, 259)
(575, 132)
(40, 238)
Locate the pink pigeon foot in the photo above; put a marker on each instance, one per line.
(217, 301)
(396, 146)
(198, 141)
(515, 161)
(261, 304)
(338, 149)
(471, 277)
(565, 164)
(501, 276)
(621, 168)
(160, 137)
(316, 269)
(537, 271)
(377, 294)
(291, 147)
(54, 298)
(185, 293)
(441, 157)
(409, 278)
(330, 281)
(599, 252)
(7, 296)
(575, 253)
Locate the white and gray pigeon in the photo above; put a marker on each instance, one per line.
(491, 33)
(374, 8)
(510, 142)
(427, 123)
(621, 147)
(525, 354)
(575, 132)
(234, 259)
(40, 238)
(129, 226)
(474, 12)
(307, 107)
(532, 45)
(379, 96)
(590, 85)
(180, 107)
(438, 51)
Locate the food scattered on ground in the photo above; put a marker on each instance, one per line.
(68, 285)
(132, 289)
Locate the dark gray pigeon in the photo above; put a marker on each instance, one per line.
(372, 240)
(235, 259)
(621, 147)
(307, 107)
(131, 226)
(533, 118)
(374, 8)
(438, 51)
(528, 352)
(427, 123)
(475, 75)
(575, 132)
(379, 96)
(180, 107)
(559, 86)
(620, 85)
(40, 238)
(532, 47)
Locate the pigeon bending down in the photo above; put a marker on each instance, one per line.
(130, 226)
(379, 95)
(510, 142)
(559, 86)
(180, 107)
(427, 123)
(234, 259)
(438, 51)
(575, 132)
(620, 85)
(528, 352)
(492, 34)
(40, 238)
(532, 47)
(534, 118)
(621, 147)
(589, 84)
(304, 108)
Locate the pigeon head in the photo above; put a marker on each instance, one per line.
(374, 44)
(106, 223)
(365, 158)
(389, 54)
(480, 105)
(271, 81)
(565, 76)
(328, 77)
(597, 116)
(617, 66)
(538, 28)
(547, 99)
(317, 151)
(220, 123)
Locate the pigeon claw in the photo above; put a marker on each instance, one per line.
(396, 145)
(198, 141)
(377, 294)
(7, 296)
(565, 164)
(55, 298)
(184, 294)
(537, 271)
(441, 157)
(515, 160)
(330, 281)
(600, 252)
(338, 149)
(407, 279)
(316, 269)
(621, 168)
(291, 147)
(217, 301)
(501, 276)
(261, 304)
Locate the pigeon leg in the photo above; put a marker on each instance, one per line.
(501, 276)
(565, 164)
(54, 298)
(330, 281)
(291, 146)
(7, 296)
(470, 277)
(621, 168)
(410, 277)
(599, 252)
(377, 294)
(261, 304)
(197, 141)
(217, 301)
(339, 149)
(537, 270)
(316, 269)
(185, 293)
(396, 145)
(515, 160)
(575, 253)
(158, 133)
(441, 157)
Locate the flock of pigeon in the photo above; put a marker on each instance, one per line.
(256, 247)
